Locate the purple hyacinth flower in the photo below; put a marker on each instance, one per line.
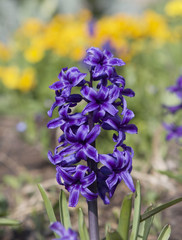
(177, 89)
(73, 99)
(80, 142)
(71, 78)
(173, 131)
(121, 126)
(102, 62)
(64, 234)
(120, 166)
(66, 119)
(101, 101)
(77, 183)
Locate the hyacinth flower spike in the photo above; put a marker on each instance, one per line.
(77, 144)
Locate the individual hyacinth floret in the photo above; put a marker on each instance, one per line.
(80, 167)
(173, 130)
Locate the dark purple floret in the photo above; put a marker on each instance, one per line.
(173, 109)
(71, 78)
(64, 234)
(120, 165)
(102, 62)
(77, 183)
(100, 101)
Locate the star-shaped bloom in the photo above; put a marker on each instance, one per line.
(101, 101)
(121, 126)
(177, 89)
(80, 142)
(64, 234)
(73, 99)
(77, 183)
(71, 78)
(66, 119)
(102, 62)
(120, 166)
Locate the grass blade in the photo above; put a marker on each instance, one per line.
(113, 236)
(159, 209)
(63, 210)
(8, 222)
(145, 226)
(125, 214)
(136, 216)
(48, 205)
(82, 226)
(165, 233)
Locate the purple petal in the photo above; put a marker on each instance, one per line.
(107, 161)
(58, 228)
(128, 92)
(88, 180)
(91, 152)
(131, 128)
(90, 107)
(112, 180)
(128, 181)
(88, 194)
(115, 62)
(57, 86)
(108, 107)
(82, 132)
(128, 116)
(74, 196)
(93, 134)
(55, 123)
(89, 93)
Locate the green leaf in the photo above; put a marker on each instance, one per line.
(124, 219)
(136, 216)
(159, 209)
(145, 226)
(165, 233)
(113, 236)
(8, 222)
(48, 206)
(63, 210)
(82, 226)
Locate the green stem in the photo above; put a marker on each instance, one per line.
(92, 205)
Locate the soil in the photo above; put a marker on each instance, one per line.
(17, 158)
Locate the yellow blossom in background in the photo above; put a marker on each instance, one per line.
(27, 80)
(174, 8)
(156, 27)
(13, 78)
(5, 53)
(10, 76)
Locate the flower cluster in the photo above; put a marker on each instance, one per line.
(173, 130)
(79, 165)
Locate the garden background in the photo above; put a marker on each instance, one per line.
(37, 39)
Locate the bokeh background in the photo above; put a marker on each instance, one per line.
(37, 39)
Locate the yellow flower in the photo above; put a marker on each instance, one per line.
(174, 8)
(34, 54)
(31, 28)
(10, 76)
(27, 80)
(5, 53)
